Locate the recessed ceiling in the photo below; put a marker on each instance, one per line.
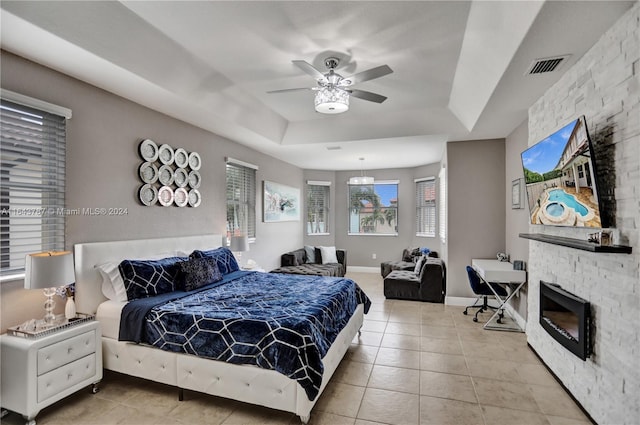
(459, 67)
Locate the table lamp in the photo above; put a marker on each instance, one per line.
(48, 270)
(238, 245)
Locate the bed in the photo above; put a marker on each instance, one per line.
(242, 382)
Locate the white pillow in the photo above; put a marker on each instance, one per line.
(112, 282)
(418, 266)
(328, 254)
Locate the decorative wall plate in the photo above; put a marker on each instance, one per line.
(148, 195)
(165, 175)
(148, 150)
(148, 172)
(180, 177)
(194, 161)
(165, 196)
(181, 158)
(194, 179)
(194, 198)
(165, 154)
(181, 197)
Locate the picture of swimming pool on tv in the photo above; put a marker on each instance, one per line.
(560, 179)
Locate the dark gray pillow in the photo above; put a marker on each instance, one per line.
(311, 254)
(198, 272)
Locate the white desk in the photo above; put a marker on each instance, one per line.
(501, 272)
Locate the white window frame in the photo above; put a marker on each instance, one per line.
(311, 208)
(442, 202)
(244, 224)
(32, 174)
(397, 208)
(425, 208)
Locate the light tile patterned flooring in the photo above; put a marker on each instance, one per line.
(415, 363)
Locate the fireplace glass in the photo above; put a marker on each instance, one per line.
(566, 317)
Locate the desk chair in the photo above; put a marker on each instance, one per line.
(482, 289)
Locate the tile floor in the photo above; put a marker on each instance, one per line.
(415, 363)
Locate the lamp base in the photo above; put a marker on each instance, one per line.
(49, 305)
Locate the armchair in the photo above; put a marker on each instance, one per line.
(430, 284)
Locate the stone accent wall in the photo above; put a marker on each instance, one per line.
(604, 85)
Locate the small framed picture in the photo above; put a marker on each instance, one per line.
(516, 194)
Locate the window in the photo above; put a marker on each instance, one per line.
(426, 207)
(318, 207)
(443, 204)
(241, 199)
(32, 180)
(373, 209)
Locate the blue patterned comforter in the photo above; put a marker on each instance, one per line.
(281, 322)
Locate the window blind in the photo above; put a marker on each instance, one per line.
(426, 207)
(32, 184)
(241, 199)
(317, 208)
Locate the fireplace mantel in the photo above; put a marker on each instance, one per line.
(577, 243)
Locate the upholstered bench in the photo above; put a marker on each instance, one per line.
(297, 262)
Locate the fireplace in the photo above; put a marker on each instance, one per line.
(566, 317)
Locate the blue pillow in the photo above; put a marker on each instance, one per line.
(197, 272)
(148, 278)
(224, 258)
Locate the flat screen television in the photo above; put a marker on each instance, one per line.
(559, 174)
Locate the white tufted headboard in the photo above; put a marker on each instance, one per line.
(87, 255)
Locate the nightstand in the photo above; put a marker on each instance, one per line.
(37, 372)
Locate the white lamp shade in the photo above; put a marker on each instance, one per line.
(332, 101)
(48, 270)
(239, 244)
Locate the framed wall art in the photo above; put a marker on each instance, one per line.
(169, 176)
(516, 194)
(280, 202)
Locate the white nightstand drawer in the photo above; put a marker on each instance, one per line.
(65, 377)
(63, 352)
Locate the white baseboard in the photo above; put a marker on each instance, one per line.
(516, 316)
(363, 269)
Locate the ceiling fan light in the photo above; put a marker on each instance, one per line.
(331, 101)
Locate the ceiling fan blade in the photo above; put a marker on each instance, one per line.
(369, 74)
(309, 69)
(287, 90)
(367, 95)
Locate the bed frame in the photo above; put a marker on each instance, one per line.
(245, 383)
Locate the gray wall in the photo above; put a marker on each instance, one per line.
(475, 211)
(102, 171)
(360, 249)
(516, 220)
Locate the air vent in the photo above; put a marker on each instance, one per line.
(333, 148)
(542, 66)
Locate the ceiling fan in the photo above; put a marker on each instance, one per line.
(333, 90)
